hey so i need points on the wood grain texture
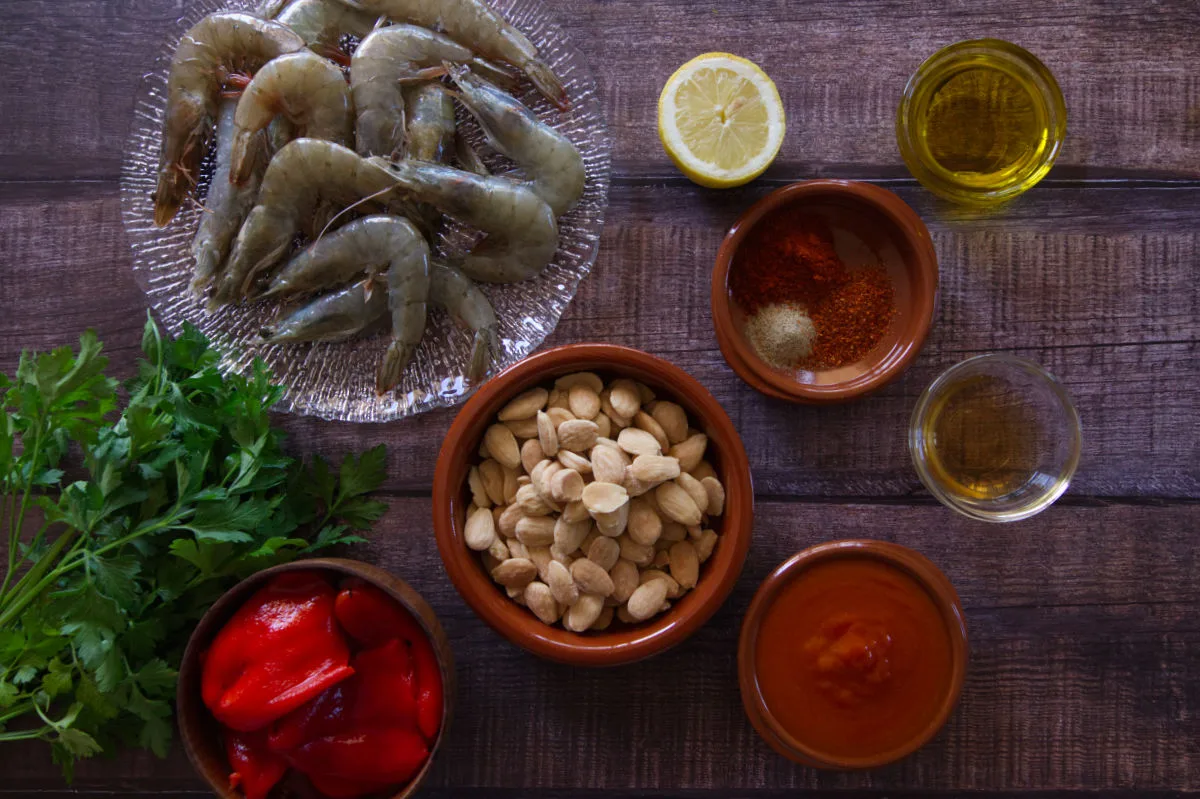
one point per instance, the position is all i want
(1126, 71)
(1084, 645)
(1097, 285)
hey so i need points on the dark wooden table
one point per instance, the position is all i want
(1085, 621)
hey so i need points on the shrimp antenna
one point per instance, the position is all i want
(350, 208)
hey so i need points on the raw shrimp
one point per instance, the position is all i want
(431, 123)
(474, 24)
(299, 177)
(449, 288)
(310, 92)
(468, 157)
(387, 60)
(226, 206)
(365, 245)
(408, 293)
(522, 234)
(323, 23)
(216, 47)
(554, 166)
(339, 316)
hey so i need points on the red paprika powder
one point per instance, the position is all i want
(789, 258)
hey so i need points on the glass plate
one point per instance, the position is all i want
(336, 381)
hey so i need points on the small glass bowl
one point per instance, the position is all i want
(1032, 398)
(1018, 64)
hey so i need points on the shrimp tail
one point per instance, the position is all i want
(392, 367)
(244, 157)
(483, 353)
(547, 83)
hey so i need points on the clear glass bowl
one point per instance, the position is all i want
(995, 438)
(1015, 66)
(336, 381)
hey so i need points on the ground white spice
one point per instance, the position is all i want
(782, 335)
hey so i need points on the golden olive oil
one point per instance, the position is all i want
(983, 439)
(981, 121)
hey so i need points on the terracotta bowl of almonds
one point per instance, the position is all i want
(593, 504)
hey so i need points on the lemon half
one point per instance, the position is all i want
(721, 120)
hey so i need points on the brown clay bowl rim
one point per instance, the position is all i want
(753, 370)
(608, 648)
(911, 562)
(196, 723)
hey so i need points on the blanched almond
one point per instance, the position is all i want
(655, 469)
(498, 551)
(645, 393)
(633, 486)
(536, 531)
(575, 511)
(479, 494)
(644, 421)
(531, 454)
(523, 428)
(637, 553)
(647, 599)
(583, 401)
(531, 502)
(502, 444)
(605, 618)
(492, 475)
(517, 550)
(690, 451)
(524, 405)
(696, 491)
(540, 600)
(586, 543)
(638, 442)
(560, 415)
(558, 399)
(510, 485)
(583, 613)
(673, 420)
(674, 590)
(716, 496)
(608, 464)
(674, 503)
(561, 583)
(623, 394)
(547, 436)
(618, 421)
(578, 435)
(614, 523)
(515, 573)
(604, 552)
(624, 574)
(590, 578)
(603, 425)
(569, 535)
(571, 460)
(589, 379)
(662, 556)
(623, 615)
(541, 476)
(702, 470)
(604, 497)
(566, 486)
(483, 450)
(685, 564)
(516, 594)
(507, 523)
(541, 558)
(673, 531)
(480, 530)
(644, 525)
(705, 545)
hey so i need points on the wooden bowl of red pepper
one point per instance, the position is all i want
(824, 291)
(322, 677)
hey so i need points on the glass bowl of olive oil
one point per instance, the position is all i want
(981, 122)
(995, 437)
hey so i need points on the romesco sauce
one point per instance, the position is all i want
(853, 658)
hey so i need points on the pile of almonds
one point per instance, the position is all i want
(593, 502)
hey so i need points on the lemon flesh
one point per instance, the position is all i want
(720, 120)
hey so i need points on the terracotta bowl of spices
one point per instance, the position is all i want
(824, 291)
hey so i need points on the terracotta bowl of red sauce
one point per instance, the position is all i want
(871, 229)
(620, 643)
(852, 655)
(201, 733)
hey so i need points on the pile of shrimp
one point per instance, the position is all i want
(359, 154)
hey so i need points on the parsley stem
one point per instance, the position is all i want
(14, 533)
(16, 710)
(25, 735)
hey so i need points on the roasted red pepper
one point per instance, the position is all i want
(380, 692)
(371, 617)
(373, 754)
(280, 649)
(256, 768)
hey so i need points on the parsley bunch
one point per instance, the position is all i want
(171, 501)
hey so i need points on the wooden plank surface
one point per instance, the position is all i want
(1083, 621)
